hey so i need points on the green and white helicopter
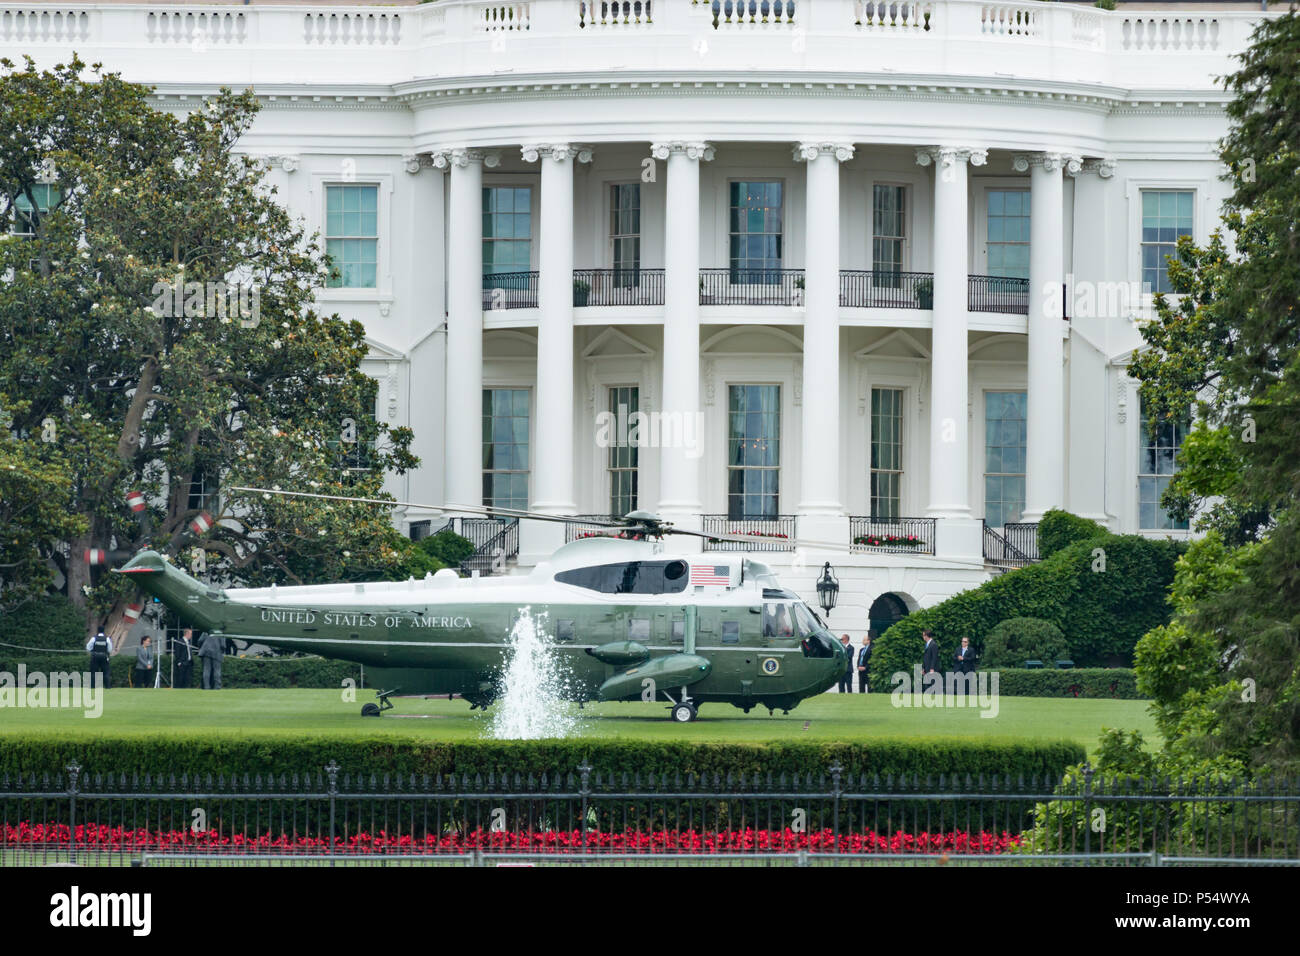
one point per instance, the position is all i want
(628, 620)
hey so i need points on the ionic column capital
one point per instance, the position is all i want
(1049, 162)
(946, 156)
(807, 152)
(1105, 167)
(698, 150)
(559, 152)
(462, 156)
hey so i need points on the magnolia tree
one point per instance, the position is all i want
(159, 344)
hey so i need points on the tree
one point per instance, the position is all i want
(160, 315)
(1241, 315)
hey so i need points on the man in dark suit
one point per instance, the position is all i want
(930, 656)
(930, 665)
(864, 666)
(183, 648)
(965, 657)
(846, 679)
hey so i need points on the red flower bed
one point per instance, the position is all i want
(121, 839)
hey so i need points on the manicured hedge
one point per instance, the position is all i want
(1102, 613)
(380, 756)
(1108, 682)
(48, 622)
(1060, 529)
(235, 671)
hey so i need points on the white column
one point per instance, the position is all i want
(949, 415)
(425, 261)
(679, 475)
(552, 467)
(463, 458)
(819, 472)
(1045, 426)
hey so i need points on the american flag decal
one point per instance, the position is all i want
(710, 574)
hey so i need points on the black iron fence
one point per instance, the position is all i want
(883, 289)
(509, 290)
(82, 816)
(768, 534)
(892, 535)
(998, 294)
(752, 287)
(618, 287)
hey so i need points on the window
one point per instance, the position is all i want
(507, 229)
(505, 447)
(353, 451)
(888, 233)
(1008, 233)
(730, 632)
(753, 451)
(47, 197)
(678, 635)
(564, 631)
(623, 451)
(629, 577)
(625, 232)
(886, 452)
(1004, 457)
(778, 621)
(352, 235)
(203, 488)
(638, 629)
(756, 247)
(1166, 215)
(1157, 461)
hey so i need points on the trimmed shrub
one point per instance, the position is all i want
(448, 547)
(275, 754)
(1020, 639)
(49, 622)
(246, 672)
(1059, 529)
(1101, 613)
(1106, 682)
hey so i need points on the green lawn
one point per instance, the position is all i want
(271, 713)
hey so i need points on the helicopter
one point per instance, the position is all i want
(628, 620)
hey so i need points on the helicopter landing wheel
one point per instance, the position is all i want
(683, 713)
(369, 710)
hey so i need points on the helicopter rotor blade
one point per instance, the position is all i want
(470, 509)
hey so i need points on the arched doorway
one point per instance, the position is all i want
(886, 611)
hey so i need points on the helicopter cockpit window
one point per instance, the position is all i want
(629, 577)
(807, 620)
(817, 641)
(777, 620)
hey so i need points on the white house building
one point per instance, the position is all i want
(861, 269)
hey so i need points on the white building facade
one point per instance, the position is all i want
(849, 271)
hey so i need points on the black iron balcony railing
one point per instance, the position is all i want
(618, 287)
(998, 294)
(589, 526)
(1023, 536)
(892, 535)
(885, 289)
(751, 287)
(509, 290)
(998, 550)
(769, 534)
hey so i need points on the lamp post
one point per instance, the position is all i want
(828, 589)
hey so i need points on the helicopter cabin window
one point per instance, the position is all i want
(563, 631)
(679, 632)
(730, 632)
(629, 577)
(777, 621)
(638, 629)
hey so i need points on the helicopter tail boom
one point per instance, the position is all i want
(197, 604)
